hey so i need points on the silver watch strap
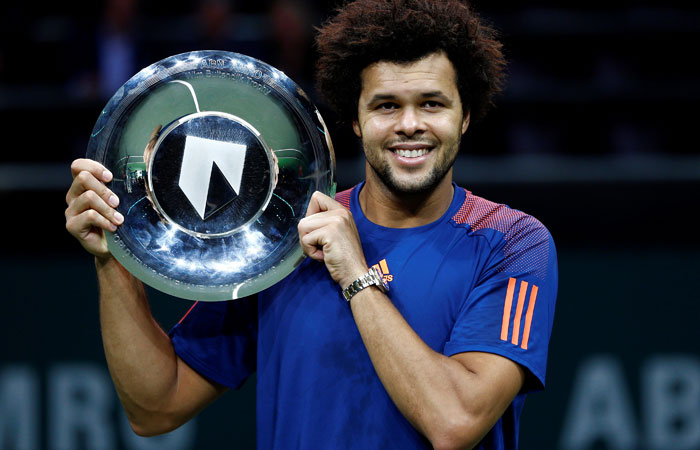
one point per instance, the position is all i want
(371, 278)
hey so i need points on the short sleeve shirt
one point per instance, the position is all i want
(482, 278)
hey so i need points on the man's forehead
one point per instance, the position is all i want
(434, 68)
(437, 54)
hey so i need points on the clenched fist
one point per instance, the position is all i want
(328, 233)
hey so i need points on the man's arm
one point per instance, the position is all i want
(453, 401)
(158, 390)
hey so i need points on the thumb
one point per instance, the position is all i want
(321, 202)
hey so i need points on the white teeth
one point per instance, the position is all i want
(411, 153)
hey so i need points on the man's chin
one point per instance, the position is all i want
(413, 187)
(410, 185)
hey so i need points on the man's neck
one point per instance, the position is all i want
(389, 209)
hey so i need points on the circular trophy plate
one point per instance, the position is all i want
(215, 156)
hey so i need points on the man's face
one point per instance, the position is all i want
(410, 120)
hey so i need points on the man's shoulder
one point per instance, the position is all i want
(521, 241)
(343, 197)
(479, 214)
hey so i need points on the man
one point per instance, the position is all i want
(446, 356)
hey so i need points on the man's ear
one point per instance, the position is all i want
(465, 121)
(356, 128)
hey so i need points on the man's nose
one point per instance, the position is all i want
(409, 122)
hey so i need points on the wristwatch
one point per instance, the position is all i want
(371, 278)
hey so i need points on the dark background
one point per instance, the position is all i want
(594, 135)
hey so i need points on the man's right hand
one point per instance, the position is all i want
(91, 206)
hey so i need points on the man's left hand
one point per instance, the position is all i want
(328, 233)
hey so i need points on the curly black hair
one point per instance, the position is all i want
(403, 31)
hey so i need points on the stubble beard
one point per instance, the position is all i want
(383, 171)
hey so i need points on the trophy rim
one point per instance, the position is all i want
(305, 118)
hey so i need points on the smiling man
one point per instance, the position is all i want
(414, 112)
(423, 314)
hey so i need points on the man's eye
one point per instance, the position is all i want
(432, 104)
(387, 106)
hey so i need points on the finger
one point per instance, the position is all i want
(86, 181)
(312, 244)
(90, 236)
(88, 165)
(315, 221)
(89, 200)
(84, 225)
(321, 202)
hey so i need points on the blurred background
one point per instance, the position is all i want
(595, 135)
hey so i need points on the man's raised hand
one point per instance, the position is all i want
(328, 233)
(91, 206)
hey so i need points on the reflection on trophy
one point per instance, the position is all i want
(215, 156)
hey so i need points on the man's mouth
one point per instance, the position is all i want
(411, 149)
(411, 153)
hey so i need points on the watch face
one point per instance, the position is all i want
(215, 156)
(378, 279)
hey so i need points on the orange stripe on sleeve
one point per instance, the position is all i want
(519, 312)
(385, 268)
(528, 316)
(506, 309)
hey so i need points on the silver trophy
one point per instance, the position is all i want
(215, 156)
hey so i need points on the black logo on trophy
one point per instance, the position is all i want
(216, 164)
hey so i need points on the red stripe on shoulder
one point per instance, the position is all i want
(526, 246)
(344, 197)
(480, 213)
(188, 311)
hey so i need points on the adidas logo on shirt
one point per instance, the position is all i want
(383, 268)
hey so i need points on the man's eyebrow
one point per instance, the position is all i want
(380, 98)
(430, 94)
(436, 94)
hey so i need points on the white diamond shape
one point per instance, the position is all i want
(197, 162)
